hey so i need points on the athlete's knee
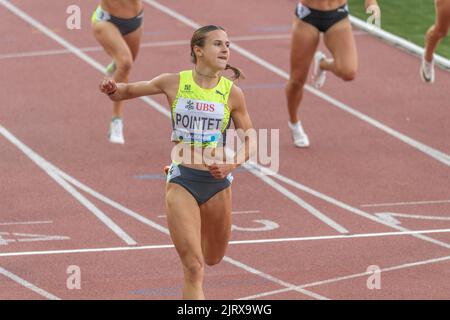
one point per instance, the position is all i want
(194, 267)
(437, 32)
(211, 261)
(349, 76)
(296, 83)
(440, 32)
(124, 64)
(346, 74)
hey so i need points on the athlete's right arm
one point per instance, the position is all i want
(123, 91)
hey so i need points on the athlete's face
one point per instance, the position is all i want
(216, 51)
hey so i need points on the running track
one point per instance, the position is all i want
(69, 198)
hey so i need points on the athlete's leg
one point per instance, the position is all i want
(216, 226)
(439, 30)
(133, 41)
(305, 39)
(114, 44)
(183, 216)
(340, 41)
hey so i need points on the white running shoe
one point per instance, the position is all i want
(427, 71)
(116, 131)
(319, 75)
(298, 135)
(110, 69)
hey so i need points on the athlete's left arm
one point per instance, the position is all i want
(245, 130)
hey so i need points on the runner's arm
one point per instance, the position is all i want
(124, 91)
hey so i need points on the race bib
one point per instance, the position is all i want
(197, 121)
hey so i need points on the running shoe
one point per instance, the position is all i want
(319, 75)
(116, 131)
(427, 71)
(298, 135)
(110, 69)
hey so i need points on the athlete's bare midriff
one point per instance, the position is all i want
(122, 8)
(323, 5)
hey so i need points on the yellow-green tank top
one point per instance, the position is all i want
(200, 117)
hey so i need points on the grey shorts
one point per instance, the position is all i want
(125, 26)
(322, 20)
(199, 183)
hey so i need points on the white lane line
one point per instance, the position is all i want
(173, 13)
(266, 276)
(404, 203)
(24, 223)
(415, 216)
(342, 205)
(433, 153)
(112, 203)
(43, 164)
(91, 207)
(436, 154)
(235, 242)
(352, 276)
(29, 237)
(39, 53)
(90, 250)
(246, 212)
(153, 44)
(340, 237)
(27, 284)
(296, 199)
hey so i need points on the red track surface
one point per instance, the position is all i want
(51, 104)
